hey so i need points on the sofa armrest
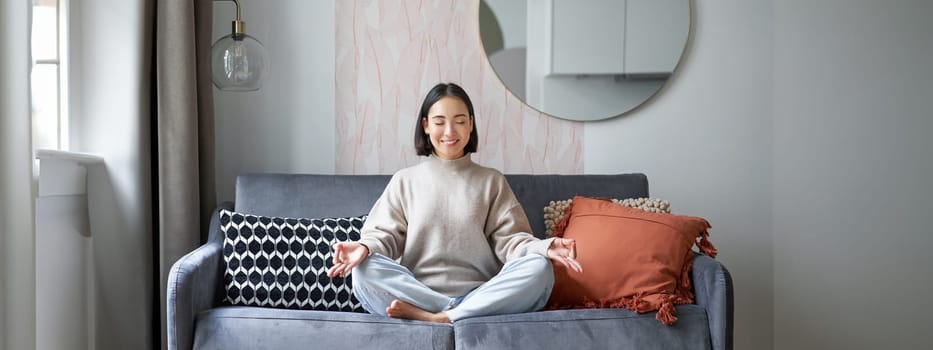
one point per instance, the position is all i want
(712, 286)
(192, 287)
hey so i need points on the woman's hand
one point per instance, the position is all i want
(346, 256)
(564, 251)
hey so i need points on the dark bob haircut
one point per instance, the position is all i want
(423, 145)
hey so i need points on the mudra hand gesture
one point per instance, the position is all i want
(564, 251)
(346, 256)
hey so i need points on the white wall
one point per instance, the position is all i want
(288, 126)
(110, 117)
(705, 144)
(853, 107)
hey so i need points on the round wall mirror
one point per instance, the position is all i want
(584, 59)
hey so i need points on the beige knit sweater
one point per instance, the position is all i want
(453, 223)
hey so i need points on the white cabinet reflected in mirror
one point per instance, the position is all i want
(584, 59)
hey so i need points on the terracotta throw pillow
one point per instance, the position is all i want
(633, 259)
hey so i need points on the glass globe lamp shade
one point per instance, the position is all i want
(238, 63)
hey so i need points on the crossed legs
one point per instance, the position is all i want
(386, 288)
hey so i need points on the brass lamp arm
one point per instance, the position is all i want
(239, 27)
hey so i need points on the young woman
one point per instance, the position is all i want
(448, 239)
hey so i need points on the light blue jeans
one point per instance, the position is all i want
(523, 285)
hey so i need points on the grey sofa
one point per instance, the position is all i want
(197, 318)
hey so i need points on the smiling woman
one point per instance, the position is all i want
(448, 126)
(445, 124)
(584, 59)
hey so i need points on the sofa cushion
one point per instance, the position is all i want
(244, 327)
(631, 258)
(283, 262)
(308, 195)
(554, 211)
(584, 329)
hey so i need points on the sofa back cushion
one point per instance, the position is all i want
(310, 196)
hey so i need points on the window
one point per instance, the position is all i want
(49, 117)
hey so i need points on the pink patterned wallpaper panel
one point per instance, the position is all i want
(391, 52)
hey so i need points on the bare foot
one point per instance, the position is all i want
(403, 310)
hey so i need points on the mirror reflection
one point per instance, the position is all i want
(584, 59)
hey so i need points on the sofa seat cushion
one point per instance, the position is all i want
(584, 329)
(246, 327)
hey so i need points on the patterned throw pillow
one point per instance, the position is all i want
(554, 211)
(283, 262)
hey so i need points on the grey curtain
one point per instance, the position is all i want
(17, 301)
(183, 171)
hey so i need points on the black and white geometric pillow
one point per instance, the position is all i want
(283, 262)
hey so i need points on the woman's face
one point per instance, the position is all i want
(448, 125)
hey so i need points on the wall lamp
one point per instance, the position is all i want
(239, 62)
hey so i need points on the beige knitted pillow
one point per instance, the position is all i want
(554, 211)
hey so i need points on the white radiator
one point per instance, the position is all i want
(65, 294)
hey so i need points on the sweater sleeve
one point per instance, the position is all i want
(385, 228)
(508, 229)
